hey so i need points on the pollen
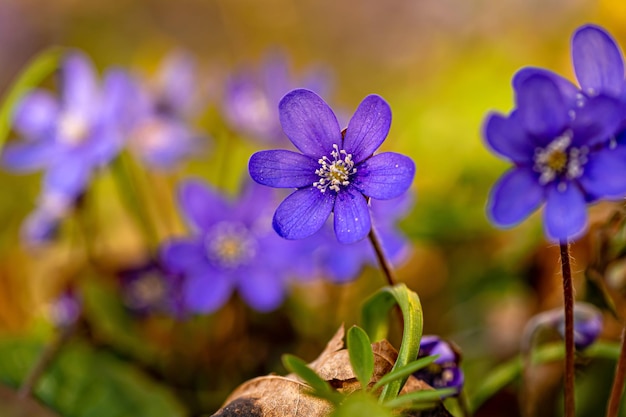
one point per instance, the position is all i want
(230, 245)
(560, 160)
(334, 173)
(73, 129)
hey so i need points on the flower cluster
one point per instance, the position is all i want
(566, 142)
(68, 137)
(74, 134)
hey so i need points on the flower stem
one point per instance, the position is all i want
(618, 382)
(385, 265)
(47, 356)
(568, 304)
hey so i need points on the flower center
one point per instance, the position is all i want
(230, 245)
(72, 129)
(336, 172)
(558, 159)
(148, 290)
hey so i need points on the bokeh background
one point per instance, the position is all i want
(441, 65)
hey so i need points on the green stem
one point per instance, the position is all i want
(568, 305)
(618, 382)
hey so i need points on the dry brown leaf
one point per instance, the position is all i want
(277, 396)
(273, 396)
(11, 405)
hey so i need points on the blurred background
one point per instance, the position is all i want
(442, 65)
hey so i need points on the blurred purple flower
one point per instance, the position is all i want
(155, 116)
(250, 103)
(343, 262)
(445, 372)
(68, 136)
(587, 324)
(41, 225)
(149, 288)
(561, 155)
(232, 248)
(66, 308)
(335, 172)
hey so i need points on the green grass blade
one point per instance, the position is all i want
(38, 69)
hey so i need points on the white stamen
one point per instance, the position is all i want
(559, 160)
(230, 245)
(336, 172)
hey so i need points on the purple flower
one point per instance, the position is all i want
(155, 117)
(445, 372)
(587, 325)
(335, 172)
(342, 263)
(68, 136)
(149, 288)
(561, 155)
(66, 308)
(250, 103)
(232, 248)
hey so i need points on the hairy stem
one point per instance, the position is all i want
(618, 382)
(384, 263)
(568, 304)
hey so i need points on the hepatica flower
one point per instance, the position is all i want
(336, 171)
(155, 117)
(68, 136)
(231, 248)
(251, 97)
(562, 154)
(445, 372)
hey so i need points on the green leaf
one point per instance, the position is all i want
(320, 387)
(361, 355)
(375, 312)
(405, 371)
(361, 403)
(40, 67)
(510, 371)
(83, 382)
(430, 397)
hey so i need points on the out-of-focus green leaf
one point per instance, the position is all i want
(111, 321)
(510, 371)
(405, 371)
(361, 404)
(429, 397)
(40, 67)
(84, 382)
(361, 355)
(375, 312)
(320, 387)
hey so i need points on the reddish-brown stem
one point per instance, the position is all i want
(568, 304)
(49, 353)
(385, 265)
(618, 381)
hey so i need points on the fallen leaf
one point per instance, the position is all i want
(288, 396)
(14, 406)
